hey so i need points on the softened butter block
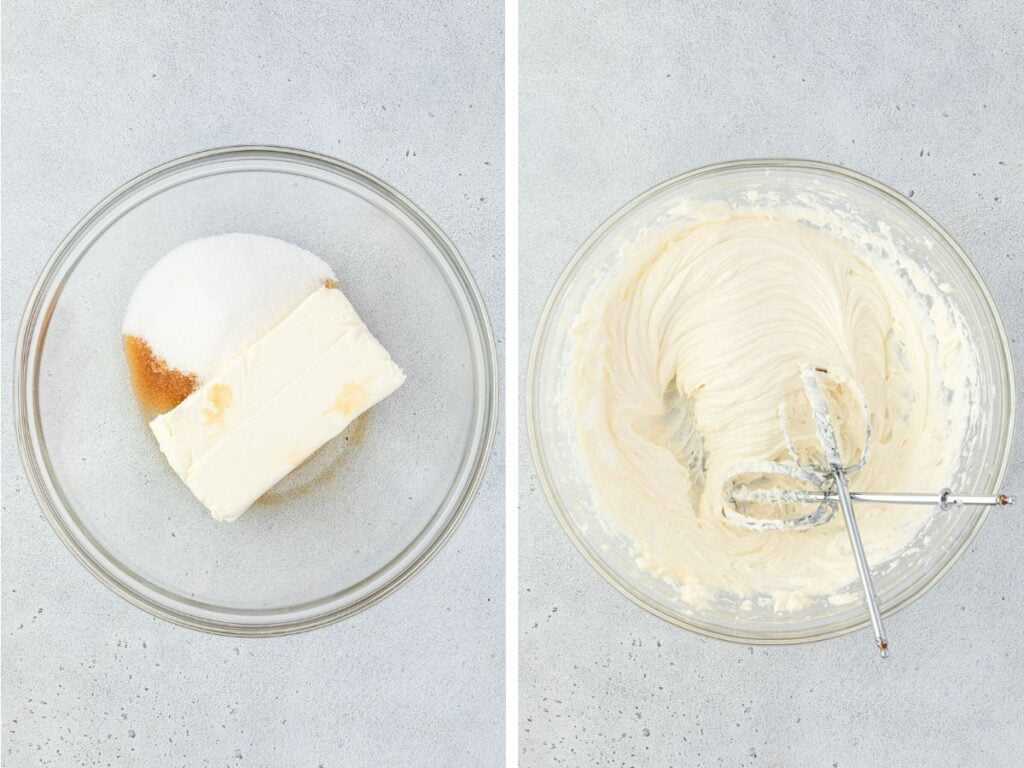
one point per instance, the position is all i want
(289, 393)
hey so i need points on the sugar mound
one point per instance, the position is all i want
(209, 299)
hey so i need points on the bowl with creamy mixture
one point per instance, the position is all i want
(678, 330)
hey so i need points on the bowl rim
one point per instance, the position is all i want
(35, 320)
(544, 326)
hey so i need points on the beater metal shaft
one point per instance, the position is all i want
(846, 503)
(946, 499)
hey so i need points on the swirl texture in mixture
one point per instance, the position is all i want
(682, 358)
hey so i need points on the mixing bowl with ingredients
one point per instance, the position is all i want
(364, 512)
(674, 341)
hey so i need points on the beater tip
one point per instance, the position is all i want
(883, 647)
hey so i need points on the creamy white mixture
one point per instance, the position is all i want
(682, 357)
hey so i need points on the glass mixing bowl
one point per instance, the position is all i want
(862, 203)
(362, 514)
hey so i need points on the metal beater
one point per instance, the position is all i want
(829, 476)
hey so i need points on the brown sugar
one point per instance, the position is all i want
(157, 385)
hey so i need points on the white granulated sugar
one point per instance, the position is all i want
(208, 300)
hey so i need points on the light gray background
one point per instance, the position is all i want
(617, 96)
(95, 93)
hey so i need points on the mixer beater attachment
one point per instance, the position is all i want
(823, 481)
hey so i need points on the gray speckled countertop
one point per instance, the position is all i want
(618, 96)
(95, 93)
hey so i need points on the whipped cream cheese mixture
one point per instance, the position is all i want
(682, 356)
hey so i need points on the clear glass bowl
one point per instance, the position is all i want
(352, 523)
(864, 203)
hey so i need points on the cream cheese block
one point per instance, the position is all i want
(270, 408)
